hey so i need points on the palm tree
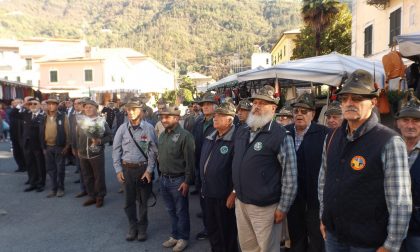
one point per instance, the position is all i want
(318, 15)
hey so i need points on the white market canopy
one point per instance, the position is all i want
(231, 79)
(326, 69)
(409, 44)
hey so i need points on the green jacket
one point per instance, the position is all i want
(176, 153)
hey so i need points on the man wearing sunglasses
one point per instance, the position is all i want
(309, 137)
(32, 145)
(364, 181)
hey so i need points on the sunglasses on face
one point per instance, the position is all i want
(353, 97)
(300, 110)
(32, 103)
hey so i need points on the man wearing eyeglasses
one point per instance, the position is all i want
(303, 219)
(364, 181)
(32, 145)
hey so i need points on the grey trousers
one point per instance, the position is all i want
(54, 162)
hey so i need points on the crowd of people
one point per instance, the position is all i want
(262, 177)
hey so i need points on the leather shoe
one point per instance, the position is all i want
(31, 188)
(89, 202)
(131, 235)
(40, 189)
(20, 170)
(99, 202)
(81, 194)
(27, 182)
(51, 194)
(77, 181)
(202, 236)
(142, 236)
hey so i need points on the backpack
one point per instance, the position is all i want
(393, 65)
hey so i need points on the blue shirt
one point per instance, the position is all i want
(125, 149)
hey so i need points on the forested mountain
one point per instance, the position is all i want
(203, 35)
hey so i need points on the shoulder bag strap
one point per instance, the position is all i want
(135, 142)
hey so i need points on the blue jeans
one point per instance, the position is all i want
(177, 207)
(411, 243)
(333, 245)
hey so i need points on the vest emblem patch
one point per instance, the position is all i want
(258, 146)
(357, 163)
(224, 149)
(175, 138)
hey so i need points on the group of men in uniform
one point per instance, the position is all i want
(45, 136)
(351, 186)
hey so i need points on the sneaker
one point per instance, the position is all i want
(170, 243)
(60, 193)
(202, 236)
(180, 245)
(51, 194)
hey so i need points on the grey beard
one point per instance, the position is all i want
(256, 121)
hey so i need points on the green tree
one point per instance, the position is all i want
(187, 83)
(318, 15)
(337, 37)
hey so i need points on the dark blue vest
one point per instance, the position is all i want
(414, 227)
(309, 158)
(355, 209)
(217, 179)
(256, 171)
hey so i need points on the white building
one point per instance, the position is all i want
(260, 59)
(18, 58)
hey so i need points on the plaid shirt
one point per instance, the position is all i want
(397, 184)
(299, 137)
(287, 159)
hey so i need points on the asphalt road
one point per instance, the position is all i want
(31, 222)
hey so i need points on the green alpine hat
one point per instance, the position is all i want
(245, 104)
(285, 111)
(134, 103)
(226, 108)
(266, 93)
(171, 109)
(410, 109)
(333, 109)
(306, 100)
(360, 82)
(208, 97)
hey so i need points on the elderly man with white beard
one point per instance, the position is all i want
(264, 175)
